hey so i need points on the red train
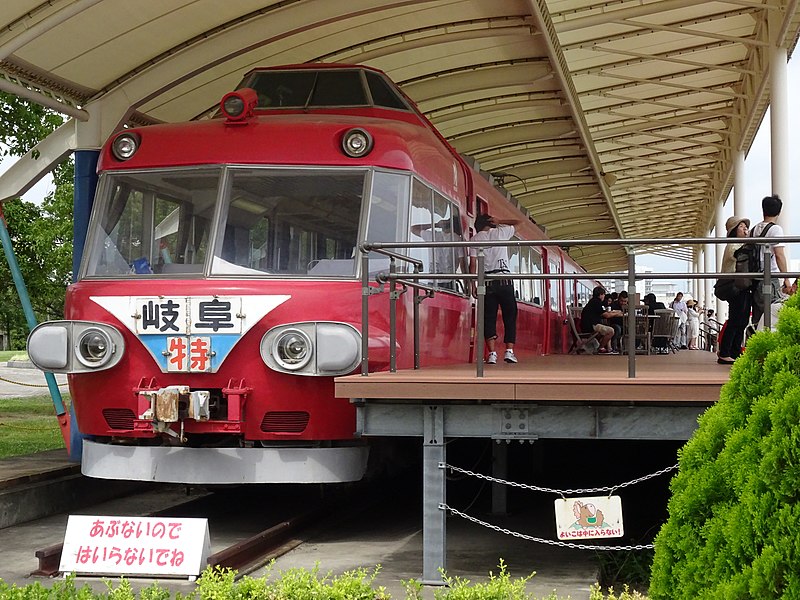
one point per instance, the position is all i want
(219, 292)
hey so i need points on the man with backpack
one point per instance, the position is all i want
(770, 208)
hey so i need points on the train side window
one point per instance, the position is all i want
(444, 259)
(537, 285)
(421, 229)
(482, 206)
(388, 209)
(523, 287)
(514, 267)
(555, 286)
(382, 92)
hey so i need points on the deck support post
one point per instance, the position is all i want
(499, 471)
(434, 534)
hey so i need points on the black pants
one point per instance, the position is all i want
(738, 317)
(757, 299)
(500, 296)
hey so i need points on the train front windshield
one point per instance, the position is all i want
(235, 221)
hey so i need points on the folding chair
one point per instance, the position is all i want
(664, 330)
(581, 342)
(641, 332)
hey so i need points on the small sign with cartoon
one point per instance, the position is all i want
(591, 517)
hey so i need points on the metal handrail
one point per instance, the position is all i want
(412, 280)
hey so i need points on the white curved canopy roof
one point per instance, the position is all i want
(604, 119)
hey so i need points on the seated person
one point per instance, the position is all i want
(619, 303)
(652, 304)
(592, 319)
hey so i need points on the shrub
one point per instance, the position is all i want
(499, 587)
(734, 511)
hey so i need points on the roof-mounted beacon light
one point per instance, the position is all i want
(357, 142)
(125, 145)
(239, 105)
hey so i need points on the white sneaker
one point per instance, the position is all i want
(492, 358)
(509, 357)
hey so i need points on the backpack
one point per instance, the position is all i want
(725, 289)
(748, 260)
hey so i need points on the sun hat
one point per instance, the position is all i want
(733, 222)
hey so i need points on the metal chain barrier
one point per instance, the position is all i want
(531, 538)
(562, 493)
(36, 385)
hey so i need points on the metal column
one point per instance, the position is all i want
(82, 201)
(500, 471)
(434, 534)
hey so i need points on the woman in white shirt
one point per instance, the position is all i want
(692, 325)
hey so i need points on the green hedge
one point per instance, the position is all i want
(733, 529)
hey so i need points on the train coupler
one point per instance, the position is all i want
(174, 403)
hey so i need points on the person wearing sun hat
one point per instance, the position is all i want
(692, 325)
(730, 346)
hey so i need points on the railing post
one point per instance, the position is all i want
(479, 330)
(766, 291)
(416, 328)
(364, 313)
(392, 316)
(631, 341)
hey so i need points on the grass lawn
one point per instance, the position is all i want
(28, 425)
(6, 355)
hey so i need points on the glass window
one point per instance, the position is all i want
(514, 267)
(382, 92)
(299, 89)
(290, 222)
(523, 288)
(421, 224)
(537, 285)
(338, 88)
(555, 287)
(282, 89)
(152, 223)
(387, 215)
(443, 258)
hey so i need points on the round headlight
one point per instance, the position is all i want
(125, 145)
(292, 349)
(94, 348)
(233, 105)
(357, 143)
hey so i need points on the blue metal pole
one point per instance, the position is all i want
(83, 198)
(85, 185)
(22, 291)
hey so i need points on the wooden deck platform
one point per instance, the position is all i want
(688, 377)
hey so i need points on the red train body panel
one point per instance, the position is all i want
(220, 287)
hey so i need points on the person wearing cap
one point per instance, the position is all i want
(730, 346)
(499, 292)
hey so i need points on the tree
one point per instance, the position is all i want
(734, 513)
(41, 234)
